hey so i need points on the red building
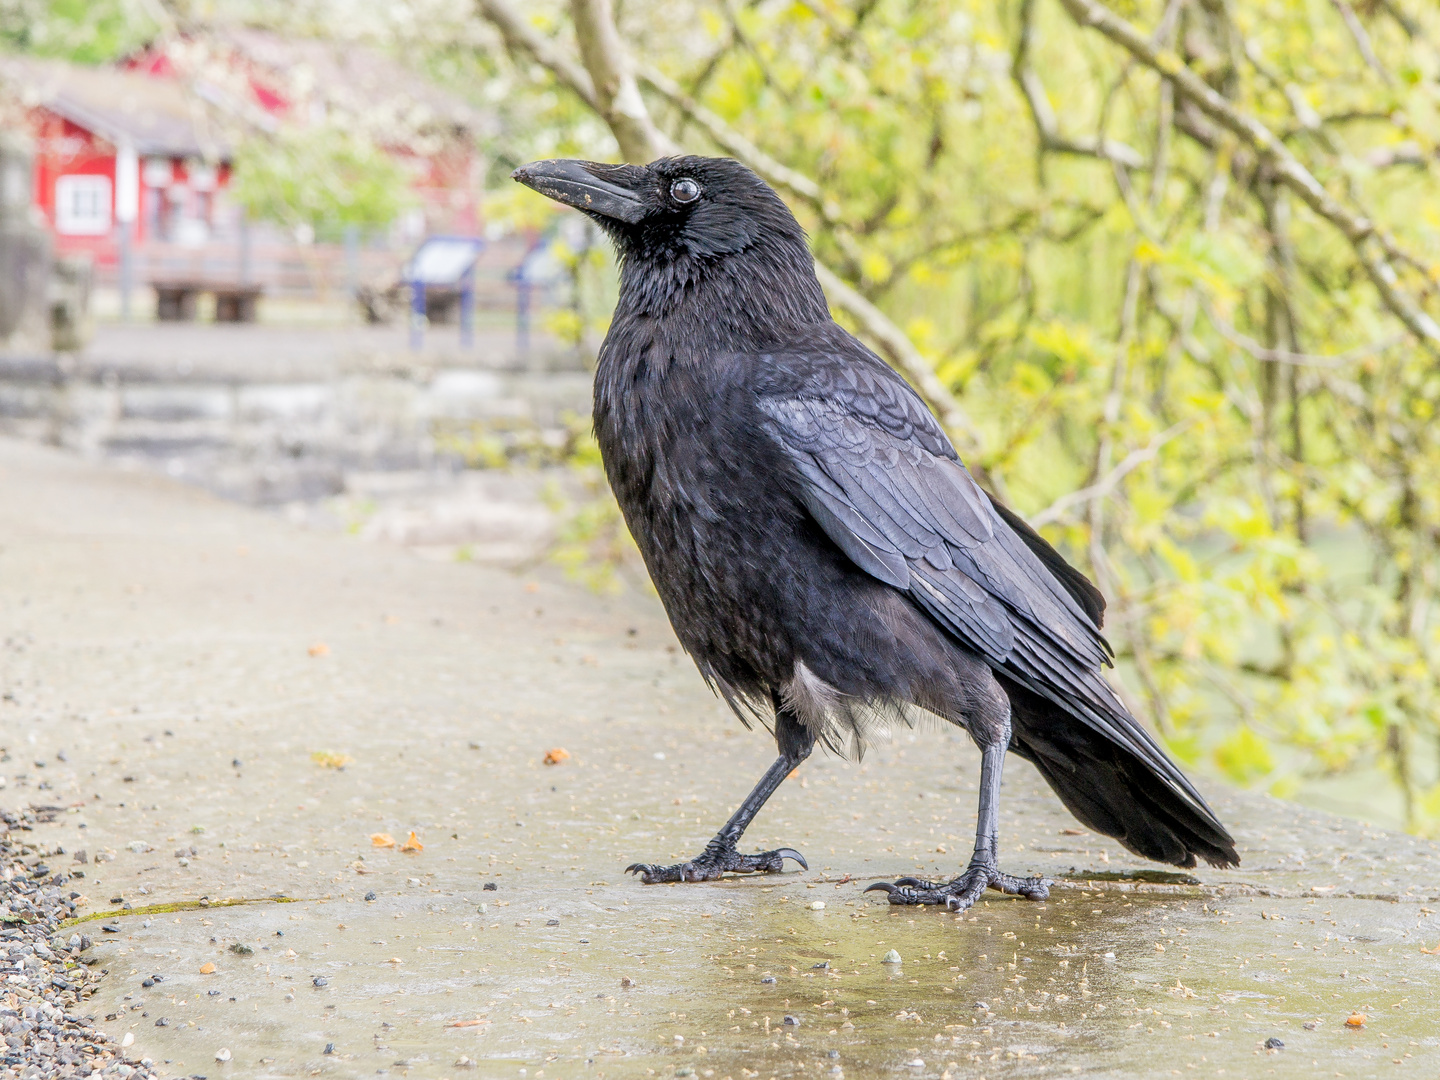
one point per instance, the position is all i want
(149, 144)
(115, 147)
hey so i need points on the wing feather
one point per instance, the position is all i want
(879, 477)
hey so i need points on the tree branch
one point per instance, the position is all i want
(1362, 39)
(522, 38)
(1110, 481)
(1357, 228)
(1047, 128)
(617, 96)
(1287, 356)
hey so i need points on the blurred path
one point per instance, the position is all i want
(185, 676)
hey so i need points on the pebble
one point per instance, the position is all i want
(222, 1054)
(791, 1021)
(241, 949)
(490, 886)
(58, 996)
(817, 905)
(319, 982)
(1273, 1043)
(891, 957)
(768, 979)
(370, 895)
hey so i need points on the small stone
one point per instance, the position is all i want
(1311, 1025)
(162, 1022)
(891, 957)
(768, 979)
(329, 1048)
(147, 983)
(917, 1063)
(627, 982)
(685, 1070)
(241, 949)
(463, 1062)
(817, 905)
(222, 1054)
(833, 1054)
(207, 968)
(824, 965)
(1273, 1043)
(128, 1039)
(1356, 1020)
(370, 895)
(552, 922)
(791, 1021)
(319, 982)
(490, 886)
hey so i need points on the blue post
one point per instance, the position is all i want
(417, 314)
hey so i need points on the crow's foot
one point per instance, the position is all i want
(714, 861)
(961, 893)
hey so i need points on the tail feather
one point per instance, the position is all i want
(1111, 791)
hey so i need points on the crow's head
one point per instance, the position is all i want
(672, 209)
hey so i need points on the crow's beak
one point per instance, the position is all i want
(603, 190)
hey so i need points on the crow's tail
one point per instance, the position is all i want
(1112, 791)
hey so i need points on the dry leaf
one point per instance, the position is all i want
(1356, 1020)
(466, 1023)
(326, 760)
(412, 843)
(382, 839)
(320, 649)
(207, 968)
(557, 755)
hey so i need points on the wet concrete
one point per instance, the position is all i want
(203, 669)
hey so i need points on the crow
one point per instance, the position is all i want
(822, 553)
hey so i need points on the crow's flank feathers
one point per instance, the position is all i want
(822, 552)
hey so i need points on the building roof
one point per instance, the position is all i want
(155, 116)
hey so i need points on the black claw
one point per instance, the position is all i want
(882, 886)
(791, 853)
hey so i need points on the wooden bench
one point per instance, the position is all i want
(175, 301)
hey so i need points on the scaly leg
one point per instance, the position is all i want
(721, 853)
(984, 869)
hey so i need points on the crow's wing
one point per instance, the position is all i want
(879, 476)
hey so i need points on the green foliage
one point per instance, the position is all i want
(324, 178)
(85, 31)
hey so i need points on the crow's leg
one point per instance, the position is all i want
(984, 869)
(721, 854)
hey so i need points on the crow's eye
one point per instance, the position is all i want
(685, 190)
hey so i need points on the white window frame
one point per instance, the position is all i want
(83, 205)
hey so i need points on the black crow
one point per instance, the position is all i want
(822, 553)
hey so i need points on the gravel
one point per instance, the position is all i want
(44, 980)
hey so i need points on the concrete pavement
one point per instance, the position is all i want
(231, 708)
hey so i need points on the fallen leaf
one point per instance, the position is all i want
(557, 755)
(1356, 1020)
(320, 649)
(394, 960)
(207, 968)
(325, 759)
(1431, 952)
(382, 839)
(412, 843)
(466, 1023)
